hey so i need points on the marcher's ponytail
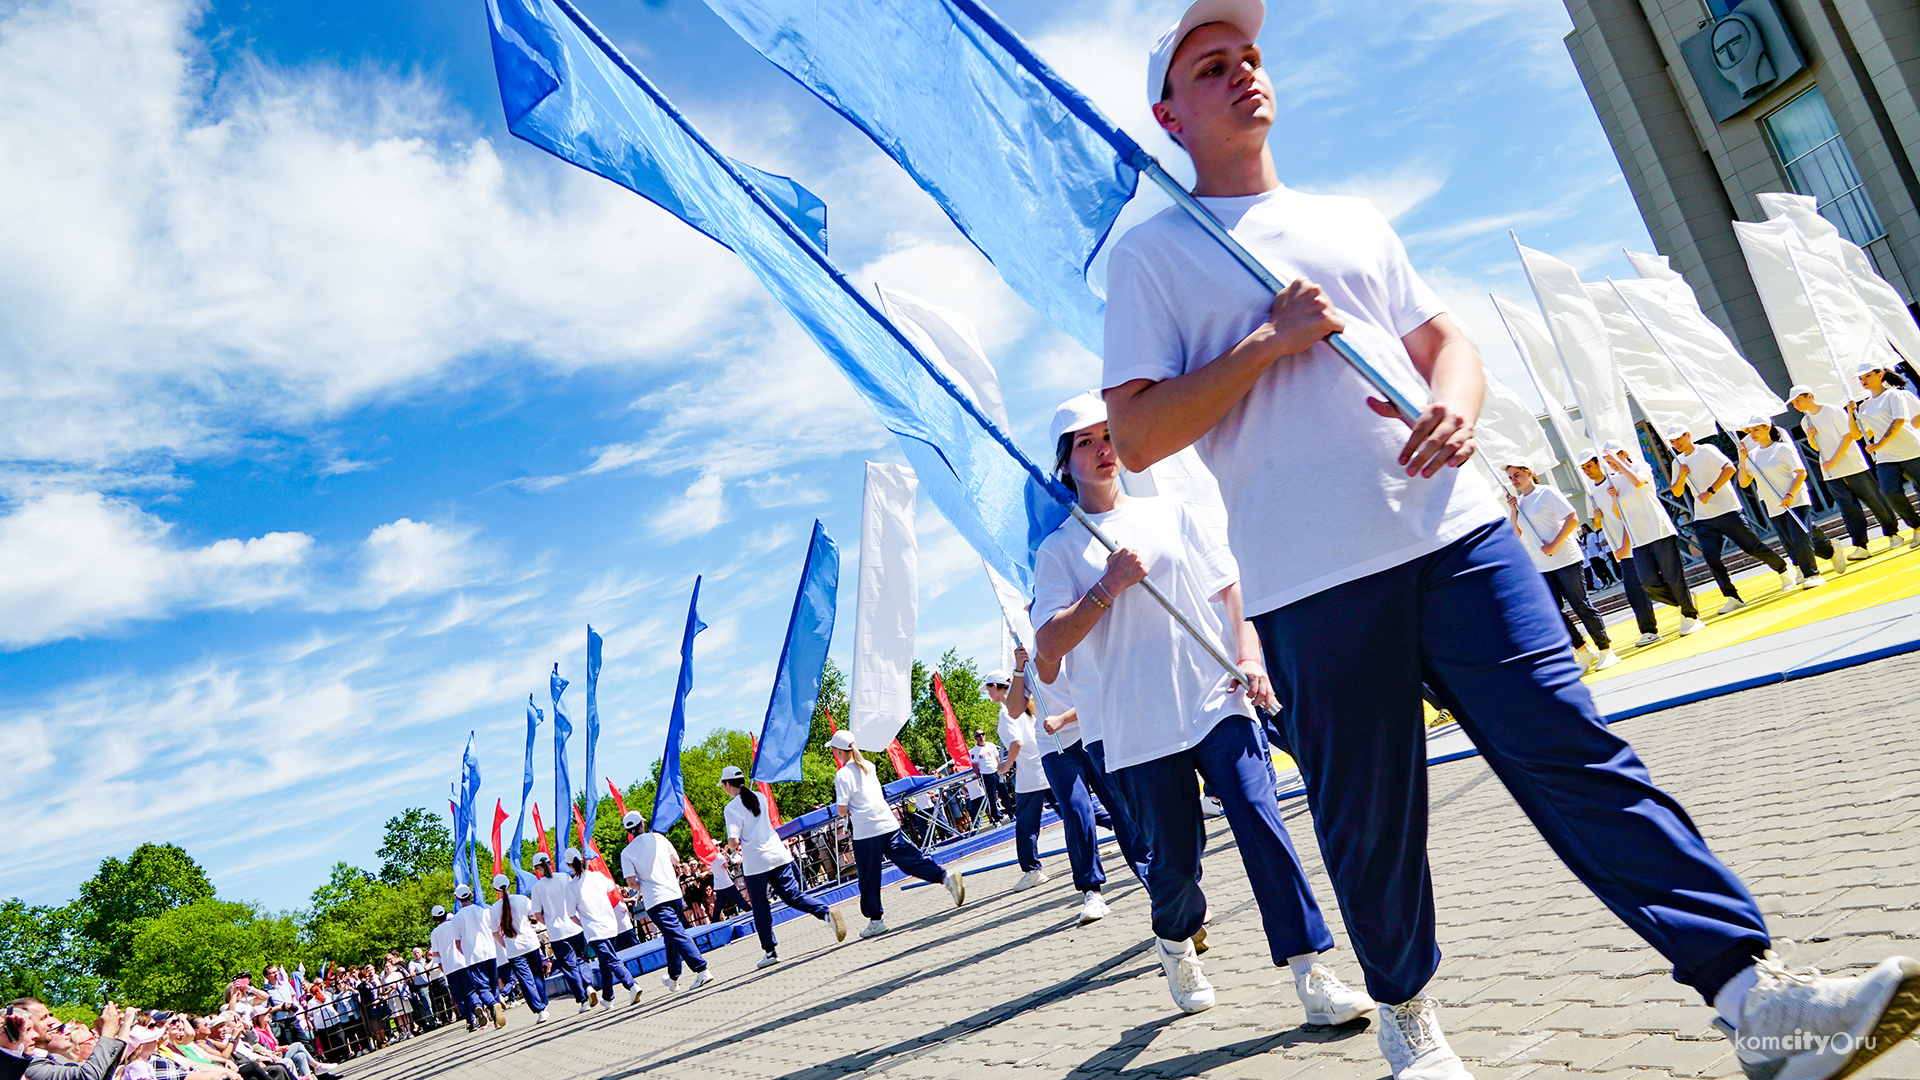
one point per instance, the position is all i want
(750, 800)
(1893, 378)
(1061, 454)
(507, 926)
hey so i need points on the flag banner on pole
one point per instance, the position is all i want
(1582, 346)
(469, 793)
(902, 764)
(523, 881)
(1508, 433)
(619, 800)
(1895, 318)
(949, 339)
(796, 680)
(1823, 328)
(499, 819)
(1658, 386)
(459, 834)
(1537, 355)
(590, 849)
(771, 808)
(670, 794)
(593, 726)
(886, 609)
(1706, 358)
(567, 90)
(540, 831)
(956, 743)
(562, 781)
(704, 849)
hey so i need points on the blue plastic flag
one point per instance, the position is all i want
(462, 874)
(567, 90)
(1021, 161)
(562, 782)
(523, 881)
(469, 795)
(592, 794)
(670, 794)
(796, 682)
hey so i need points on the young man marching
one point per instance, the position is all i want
(1426, 580)
(1545, 522)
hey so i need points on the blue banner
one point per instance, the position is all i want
(469, 796)
(592, 793)
(562, 783)
(796, 682)
(523, 881)
(567, 90)
(670, 794)
(461, 875)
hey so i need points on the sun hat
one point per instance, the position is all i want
(1243, 15)
(1079, 411)
(733, 773)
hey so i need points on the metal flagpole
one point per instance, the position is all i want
(1212, 647)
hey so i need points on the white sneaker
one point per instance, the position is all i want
(1093, 908)
(1800, 1026)
(1790, 580)
(700, 979)
(636, 997)
(540, 1017)
(1031, 878)
(1605, 659)
(666, 980)
(1185, 978)
(1584, 656)
(593, 997)
(768, 961)
(1732, 605)
(1857, 553)
(1813, 581)
(1330, 1001)
(874, 928)
(1839, 559)
(584, 1006)
(956, 887)
(606, 1003)
(1415, 1049)
(1648, 639)
(1691, 626)
(839, 926)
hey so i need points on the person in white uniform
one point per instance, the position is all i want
(1834, 434)
(1603, 492)
(767, 865)
(876, 834)
(1650, 530)
(1773, 467)
(1071, 779)
(553, 905)
(1886, 422)
(1546, 522)
(648, 865)
(593, 906)
(986, 764)
(727, 899)
(475, 928)
(519, 943)
(1019, 733)
(443, 942)
(1716, 511)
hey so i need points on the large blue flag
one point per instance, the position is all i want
(562, 782)
(796, 682)
(592, 794)
(456, 797)
(469, 796)
(670, 794)
(523, 881)
(567, 90)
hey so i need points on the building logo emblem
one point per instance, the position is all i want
(1737, 59)
(1740, 53)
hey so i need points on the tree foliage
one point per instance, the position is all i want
(416, 843)
(372, 917)
(43, 955)
(182, 958)
(155, 879)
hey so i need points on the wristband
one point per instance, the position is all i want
(1104, 589)
(1101, 604)
(1251, 660)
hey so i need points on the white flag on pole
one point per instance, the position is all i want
(1823, 328)
(1580, 338)
(1888, 309)
(949, 340)
(1537, 355)
(1712, 368)
(1508, 434)
(1658, 385)
(886, 612)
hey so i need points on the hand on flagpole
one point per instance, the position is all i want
(1259, 687)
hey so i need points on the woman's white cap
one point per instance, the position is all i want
(439, 912)
(1080, 411)
(842, 740)
(1798, 389)
(1584, 456)
(574, 856)
(1243, 15)
(997, 677)
(540, 859)
(461, 892)
(1756, 420)
(499, 881)
(1866, 366)
(733, 773)
(1673, 433)
(1612, 446)
(633, 819)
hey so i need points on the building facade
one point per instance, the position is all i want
(1710, 102)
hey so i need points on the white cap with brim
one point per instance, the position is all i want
(1584, 456)
(1673, 433)
(1866, 366)
(1517, 464)
(842, 740)
(1079, 411)
(633, 819)
(138, 1037)
(1612, 446)
(733, 773)
(997, 677)
(1247, 16)
(439, 912)
(461, 892)
(540, 859)
(1798, 389)
(499, 881)
(574, 856)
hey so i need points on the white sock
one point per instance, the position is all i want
(1732, 997)
(1174, 948)
(1302, 964)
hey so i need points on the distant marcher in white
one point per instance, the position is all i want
(648, 865)
(1716, 511)
(1549, 524)
(1021, 770)
(1773, 467)
(1834, 434)
(877, 835)
(519, 942)
(767, 865)
(553, 903)
(986, 763)
(444, 941)
(1886, 421)
(474, 923)
(593, 905)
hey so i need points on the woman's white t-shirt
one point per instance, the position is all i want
(1311, 477)
(592, 907)
(1704, 466)
(1647, 519)
(1155, 690)
(1776, 465)
(1878, 413)
(1828, 427)
(526, 939)
(1023, 729)
(860, 792)
(761, 849)
(722, 877)
(1542, 511)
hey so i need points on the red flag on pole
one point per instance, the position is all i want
(594, 861)
(704, 848)
(499, 817)
(766, 790)
(902, 764)
(540, 831)
(618, 799)
(956, 745)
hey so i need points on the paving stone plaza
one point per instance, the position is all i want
(1809, 789)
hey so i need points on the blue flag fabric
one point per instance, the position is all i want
(567, 90)
(462, 875)
(592, 794)
(523, 881)
(1021, 161)
(670, 794)
(469, 795)
(796, 682)
(562, 782)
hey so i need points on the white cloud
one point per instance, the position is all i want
(1395, 192)
(696, 512)
(417, 558)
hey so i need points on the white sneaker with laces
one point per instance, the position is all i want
(1648, 639)
(1606, 659)
(1839, 559)
(540, 1017)
(1857, 553)
(768, 961)
(1790, 580)
(700, 979)
(1584, 656)
(956, 887)
(636, 997)
(666, 980)
(1328, 1000)
(1412, 1043)
(584, 1006)
(1802, 1026)
(1185, 977)
(1093, 908)
(874, 928)
(1691, 626)
(1813, 581)
(1732, 605)
(1031, 878)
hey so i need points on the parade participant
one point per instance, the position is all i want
(986, 764)
(647, 864)
(1781, 474)
(444, 943)
(876, 834)
(1019, 735)
(1886, 421)
(1600, 492)
(1070, 777)
(519, 946)
(1598, 553)
(553, 905)
(593, 905)
(1422, 580)
(727, 900)
(1091, 752)
(473, 922)
(1651, 532)
(767, 865)
(1834, 434)
(1716, 511)
(1548, 531)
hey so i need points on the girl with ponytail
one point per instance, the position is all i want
(767, 864)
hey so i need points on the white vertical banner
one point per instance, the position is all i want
(1581, 341)
(886, 610)
(1654, 381)
(1537, 355)
(1823, 329)
(1016, 626)
(1722, 379)
(1508, 434)
(1888, 309)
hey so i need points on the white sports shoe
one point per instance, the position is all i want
(1185, 978)
(1093, 908)
(1648, 639)
(1800, 1026)
(956, 887)
(1856, 553)
(1330, 1001)
(1839, 559)
(839, 926)
(1691, 626)
(1606, 659)
(666, 980)
(700, 979)
(606, 1003)
(636, 997)
(768, 961)
(1813, 581)
(1584, 656)
(1790, 580)
(593, 996)
(540, 1017)
(1031, 878)
(584, 1006)
(874, 928)
(1412, 1043)
(1732, 605)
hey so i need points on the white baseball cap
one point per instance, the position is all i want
(1244, 15)
(499, 881)
(439, 912)
(1584, 456)
(540, 859)
(1756, 420)
(842, 740)
(1080, 411)
(1866, 366)
(1673, 433)
(574, 856)
(461, 892)
(733, 773)
(997, 677)
(633, 819)
(1612, 446)
(1798, 389)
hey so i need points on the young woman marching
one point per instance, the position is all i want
(1716, 511)
(1886, 419)
(1834, 434)
(876, 833)
(766, 864)
(553, 903)
(1774, 468)
(647, 865)
(1019, 733)
(519, 943)
(1167, 709)
(593, 906)
(1549, 523)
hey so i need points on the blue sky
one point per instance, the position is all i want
(330, 414)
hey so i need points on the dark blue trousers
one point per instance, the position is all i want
(480, 995)
(1166, 796)
(1861, 490)
(671, 918)
(611, 967)
(1072, 787)
(1893, 477)
(895, 846)
(532, 987)
(1133, 845)
(569, 955)
(1028, 806)
(785, 882)
(460, 987)
(1474, 620)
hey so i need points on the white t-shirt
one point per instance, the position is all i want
(1542, 511)
(649, 858)
(722, 877)
(591, 906)
(1155, 690)
(1027, 773)
(1828, 427)
(1704, 466)
(761, 850)
(1878, 413)
(1646, 519)
(985, 758)
(525, 939)
(474, 924)
(1315, 495)
(1776, 465)
(444, 939)
(860, 792)
(553, 900)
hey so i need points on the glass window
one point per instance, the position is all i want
(1818, 164)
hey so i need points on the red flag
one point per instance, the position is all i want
(540, 831)
(499, 817)
(594, 861)
(956, 746)
(902, 764)
(618, 800)
(704, 848)
(766, 790)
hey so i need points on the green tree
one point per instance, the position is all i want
(43, 955)
(154, 880)
(416, 842)
(374, 918)
(183, 957)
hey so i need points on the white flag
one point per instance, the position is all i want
(1580, 337)
(949, 340)
(1823, 328)
(886, 612)
(1655, 382)
(1713, 369)
(1891, 312)
(1508, 434)
(1537, 355)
